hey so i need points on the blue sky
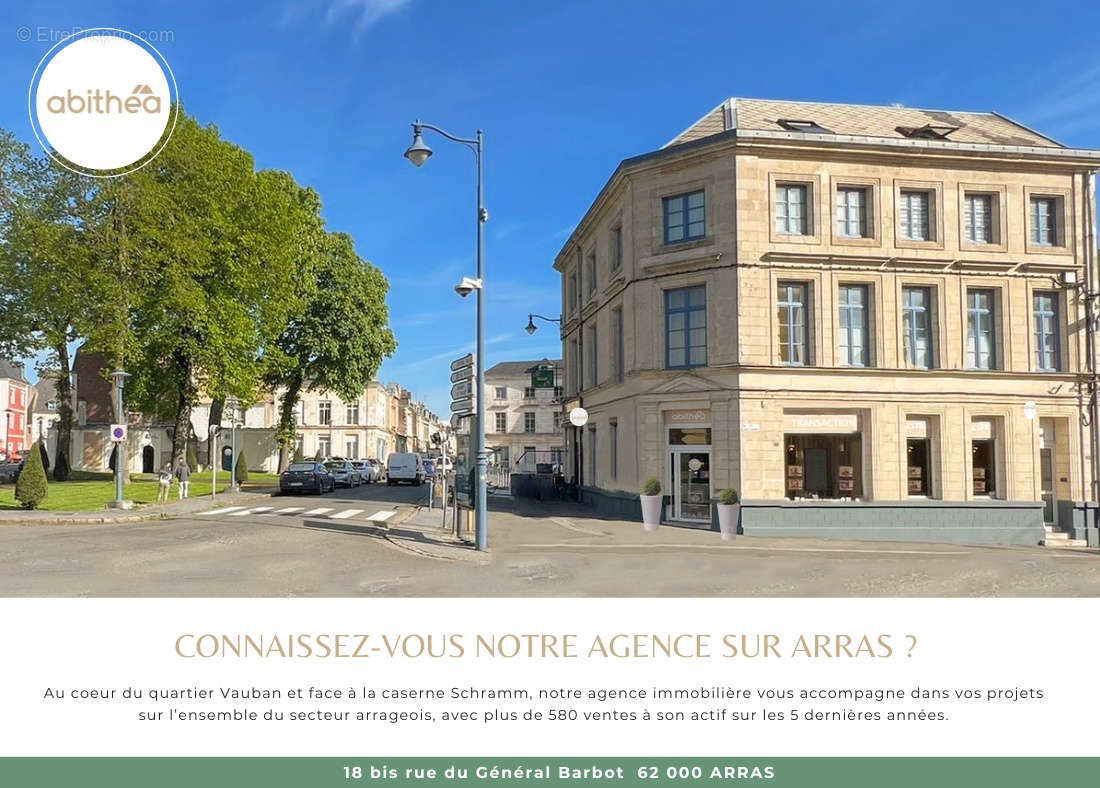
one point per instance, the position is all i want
(563, 90)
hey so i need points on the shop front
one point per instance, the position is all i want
(688, 435)
(823, 456)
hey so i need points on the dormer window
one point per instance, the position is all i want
(926, 132)
(807, 126)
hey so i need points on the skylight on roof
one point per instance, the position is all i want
(926, 132)
(807, 126)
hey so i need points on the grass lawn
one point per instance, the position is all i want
(91, 491)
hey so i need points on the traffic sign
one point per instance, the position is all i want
(578, 417)
(118, 433)
(465, 405)
(462, 363)
(462, 389)
(457, 418)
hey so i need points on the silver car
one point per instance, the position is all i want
(344, 473)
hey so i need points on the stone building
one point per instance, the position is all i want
(869, 321)
(523, 422)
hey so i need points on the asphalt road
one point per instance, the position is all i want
(325, 546)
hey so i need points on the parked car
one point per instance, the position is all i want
(345, 474)
(366, 471)
(9, 472)
(404, 467)
(306, 477)
(379, 469)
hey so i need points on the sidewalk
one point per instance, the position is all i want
(138, 514)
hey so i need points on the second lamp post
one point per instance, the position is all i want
(418, 153)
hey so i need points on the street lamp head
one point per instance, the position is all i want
(418, 152)
(531, 327)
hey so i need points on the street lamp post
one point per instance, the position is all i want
(118, 377)
(532, 328)
(418, 153)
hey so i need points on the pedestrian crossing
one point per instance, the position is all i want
(325, 512)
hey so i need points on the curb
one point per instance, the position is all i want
(96, 518)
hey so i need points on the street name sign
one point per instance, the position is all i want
(465, 406)
(462, 389)
(462, 363)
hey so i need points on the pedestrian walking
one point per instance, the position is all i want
(183, 475)
(164, 481)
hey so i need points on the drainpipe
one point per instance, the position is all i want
(1091, 280)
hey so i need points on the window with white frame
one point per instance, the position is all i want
(352, 414)
(913, 215)
(1044, 214)
(616, 248)
(978, 219)
(501, 392)
(981, 331)
(501, 422)
(324, 445)
(324, 413)
(529, 422)
(853, 339)
(917, 326)
(851, 212)
(792, 209)
(1045, 315)
(590, 274)
(794, 333)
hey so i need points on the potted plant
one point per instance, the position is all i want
(729, 512)
(651, 504)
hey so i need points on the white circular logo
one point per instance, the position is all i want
(103, 102)
(578, 417)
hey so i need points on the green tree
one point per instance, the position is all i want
(203, 250)
(242, 467)
(61, 468)
(339, 338)
(192, 456)
(32, 488)
(45, 455)
(52, 287)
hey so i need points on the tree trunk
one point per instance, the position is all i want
(217, 407)
(64, 407)
(285, 432)
(181, 431)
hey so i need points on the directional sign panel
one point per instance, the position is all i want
(462, 405)
(461, 389)
(463, 374)
(462, 363)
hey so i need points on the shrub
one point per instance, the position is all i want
(45, 455)
(32, 487)
(242, 467)
(651, 486)
(191, 456)
(298, 456)
(318, 456)
(61, 468)
(728, 496)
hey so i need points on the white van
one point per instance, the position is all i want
(404, 467)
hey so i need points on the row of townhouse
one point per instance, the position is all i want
(385, 419)
(869, 321)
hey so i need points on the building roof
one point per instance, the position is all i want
(45, 392)
(861, 120)
(517, 369)
(12, 370)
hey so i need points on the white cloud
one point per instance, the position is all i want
(365, 12)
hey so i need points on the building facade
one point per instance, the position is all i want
(15, 402)
(869, 321)
(523, 422)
